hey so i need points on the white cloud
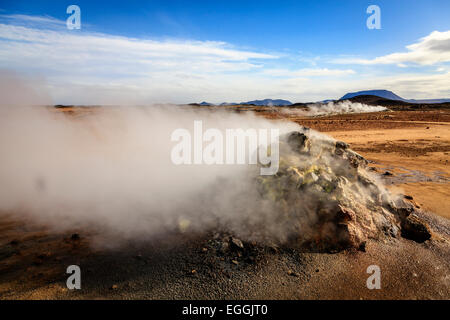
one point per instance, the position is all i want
(430, 50)
(82, 67)
(419, 86)
(308, 72)
(27, 19)
(86, 48)
(80, 58)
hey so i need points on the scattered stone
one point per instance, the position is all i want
(293, 273)
(44, 255)
(273, 248)
(345, 214)
(362, 246)
(387, 173)
(235, 262)
(38, 262)
(250, 259)
(355, 159)
(75, 236)
(299, 142)
(413, 228)
(341, 145)
(204, 250)
(114, 287)
(340, 148)
(236, 243)
(224, 247)
(411, 200)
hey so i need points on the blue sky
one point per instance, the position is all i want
(184, 51)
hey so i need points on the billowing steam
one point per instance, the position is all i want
(111, 171)
(334, 108)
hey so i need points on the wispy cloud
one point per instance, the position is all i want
(120, 68)
(84, 67)
(430, 50)
(27, 19)
(61, 52)
(308, 72)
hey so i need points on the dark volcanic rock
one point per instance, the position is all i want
(414, 228)
(298, 141)
(327, 199)
(75, 236)
(236, 243)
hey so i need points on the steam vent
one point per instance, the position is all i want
(327, 199)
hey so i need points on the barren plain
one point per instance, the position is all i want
(410, 151)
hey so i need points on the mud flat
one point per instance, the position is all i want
(408, 152)
(418, 159)
(412, 145)
(181, 268)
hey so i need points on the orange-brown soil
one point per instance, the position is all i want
(412, 145)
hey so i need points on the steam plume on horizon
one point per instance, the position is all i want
(334, 108)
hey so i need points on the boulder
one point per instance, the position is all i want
(414, 228)
(325, 197)
(298, 141)
(236, 244)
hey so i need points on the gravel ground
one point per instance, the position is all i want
(195, 267)
(33, 260)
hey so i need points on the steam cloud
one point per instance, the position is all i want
(110, 171)
(334, 108)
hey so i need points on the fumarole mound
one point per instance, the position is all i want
(327, 199)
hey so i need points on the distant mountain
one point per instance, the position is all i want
(386, 94)
(379, 93)
(379, 101)
(269, 102)
(204, 103)
(228, 104)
